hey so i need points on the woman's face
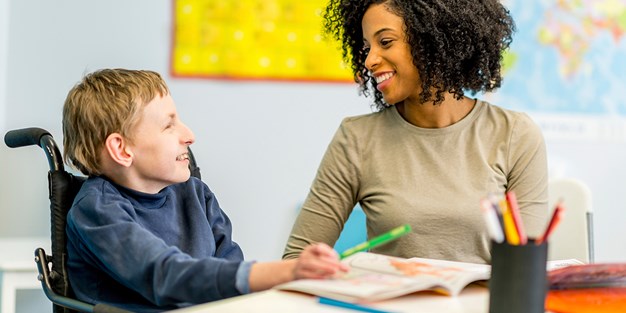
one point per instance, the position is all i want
(389, 58)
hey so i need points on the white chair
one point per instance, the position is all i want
(573, 237)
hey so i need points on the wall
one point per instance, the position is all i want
(4, 34)
(258, 143)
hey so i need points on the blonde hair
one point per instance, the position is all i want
(104, 102)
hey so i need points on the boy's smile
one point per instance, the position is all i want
(182, 157)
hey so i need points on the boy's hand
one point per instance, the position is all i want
(318, 261)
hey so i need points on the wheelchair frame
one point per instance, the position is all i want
(62, 188)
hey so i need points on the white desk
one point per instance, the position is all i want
(473, 299)
(17, 268)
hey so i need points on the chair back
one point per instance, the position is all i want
(354, 230)
(573, 237)
(63, 188)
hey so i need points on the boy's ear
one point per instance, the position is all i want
(117, 149)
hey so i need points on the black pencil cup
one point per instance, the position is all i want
(518, 281)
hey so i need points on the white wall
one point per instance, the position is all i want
(4, 39)
(258, 144)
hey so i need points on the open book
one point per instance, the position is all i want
(374, 277)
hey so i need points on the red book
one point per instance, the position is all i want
(596, 288)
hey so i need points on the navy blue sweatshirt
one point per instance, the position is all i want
(152, 252)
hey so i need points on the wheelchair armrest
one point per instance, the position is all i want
(44, 276)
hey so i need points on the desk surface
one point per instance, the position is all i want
(473, 299)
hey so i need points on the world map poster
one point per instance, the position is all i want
(567, 67)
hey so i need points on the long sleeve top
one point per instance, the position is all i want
(431, 178)
(152, 252)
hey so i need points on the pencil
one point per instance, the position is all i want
(377, 241)
(556, 218)
(517, 219)
(496, 208)
(491, 220)
(347, 305)
(511, 234)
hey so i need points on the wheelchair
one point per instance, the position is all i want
(62, 188)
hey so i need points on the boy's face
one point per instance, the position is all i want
(159, 147)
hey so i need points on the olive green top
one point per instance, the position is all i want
(430, 178)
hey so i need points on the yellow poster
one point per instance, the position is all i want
(254, 40)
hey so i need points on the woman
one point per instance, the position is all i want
(430, 153)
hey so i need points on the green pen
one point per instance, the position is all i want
(377, 241)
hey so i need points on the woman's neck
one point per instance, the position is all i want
(427, 115)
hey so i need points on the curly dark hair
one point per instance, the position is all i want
(457, 45)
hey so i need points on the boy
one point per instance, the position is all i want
(142, 234)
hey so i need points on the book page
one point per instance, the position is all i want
(360, 285)
(451, 276)
(374, 277)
